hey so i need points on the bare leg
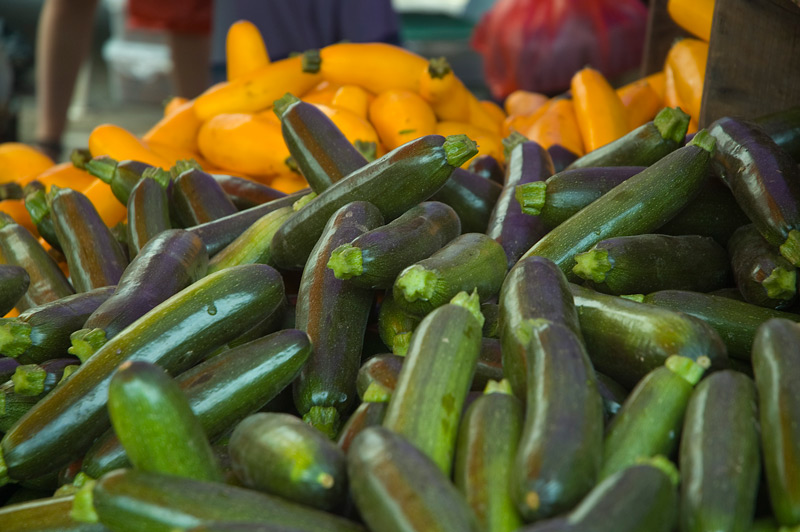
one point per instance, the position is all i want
(62, 42)
(191, 54)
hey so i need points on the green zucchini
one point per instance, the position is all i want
(534, 289)
(175, 335)
(44, 515)
(282, 455)
(334, 314)
(649, 422)
(395, 325)
(776, 363)
(487, 167)
(148, 213)
(613, 395)
(394, 183)
(197, 198)
(627, 339)
(426, 405)
(377, 378)
(762, 275)
(239, 527)
(155, 424)
(398, 488)
(127, 500)
(471, 261)
(647, 263)
(639, 205)
(14, 282)
(735, 321)
(374, 259)
(472, 197)
(121, 176)
(644, 145)
(719, 455)
(39, 211)
(784, 128)
(487, 443)
(561, 447)
(246, 193)
(366, 415)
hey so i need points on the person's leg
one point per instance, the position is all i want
(62, 42)
(191, 59)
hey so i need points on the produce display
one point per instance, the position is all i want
(339, 293)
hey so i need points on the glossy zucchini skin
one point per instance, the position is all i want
(648, 263)
(471, 261)
(487, 167)
(534, 289)
(735, 321)
(398, 488)
(613, 395)
(127, 500)
(561, 447)
(644, 145)
(148, 214)
(626, 339)
(41, 333)
(94, 256)
(426, 405)
(167, 264)
(776, 363)
(14, 282)
(322, 152)
(222, 390)
(282, 455)
(334, 314)
(366, 415)
(219, 233)
(156, 425)
(472, 197)
(385, 182)
(784, 128)
(762, 275)
(197, 198)
(18, 247)
(637, 206)
(253, 245)
(720, 460)
(246, 193)
(515, 231)
(487, 443)
(175, 335)
(385, 251)
(764, 179)
(44, 515)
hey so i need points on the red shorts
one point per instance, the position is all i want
(178, 16)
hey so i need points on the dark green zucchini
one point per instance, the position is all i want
(613, 395)
(398, 488)
(649, 422)
(639, 205)
(28, 385)
(647, 263)
(561, 447)
(426, 405)
(127, 500)
(94, 256)
(334, 314)
(627, 339)
(14, 282)
(14, 405)
(240, 527)
(197, 198)
(644, 145)
(8, 366)
(472, 197)
(121, 176)
(719, 455)
(148, 213)
(764, 179)
(366, 415)
(18, 247)
(762, 275)
(735, 321)
(535, 289)
(246, 193)
(45, 515)
(43, 332)
(377, 378)
(253, 245)
(175, 335)
(39, 211)
(776, 364)
(219, 233)
(374, 259)
(223, 390)
(487, 167)
(487, 443)
(319, 148)
(394, 183)
(491, 316)
(284, 456)
(561, 157)
(471, 261)
(395, 325)
(509, 226)
(784, 128)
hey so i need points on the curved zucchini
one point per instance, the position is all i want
(197, 198)
(253, 245)
(148, 213)
(762, 275)
(472, 197)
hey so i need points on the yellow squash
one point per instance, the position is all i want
(558, 125)
(122, 145)
(641, 102)
(400, 116)
(376, 67)
(245, 51)
(687, 59)
(599, 111)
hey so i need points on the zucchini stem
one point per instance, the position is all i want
(83, 505)
(531, 197)
(103, 168)
(663, 463)
(368, 149)
(791, 247)
(312, 61)
(689, 370)
(86, 342)
(79, 157)
(346, 262)
(36, 205)
(459, 149)
(375, 393)
(15, 337)
(325, 419)
(672, 123)
(471, 302)
(781, 283)
(282, 104)
(29, 380)
(512, 141)
(438, 67)
(400, 343)
(417, 283)
(493, 386)
(592, 265)
(703, 139)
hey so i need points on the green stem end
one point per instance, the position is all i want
(346, 262)
(325, 419)
(375, 393)
(689, 370)
(102, 167)
(459, 149)
(672, 123)
(400, 343)
(438, 67)
(592, 265)
(703, 139)
(417, 283)
(512, 141)
(368, 149)
(86, 342)
(791, 247)
(531, 197)
(498, 387)
(15, 337)
(471, 302)
(36, 205)
(282, 104)
(83, 505)
(312, 61)
(781, 283)
(79, 157)
(29, 379)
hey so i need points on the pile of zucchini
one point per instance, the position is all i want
(605, 344)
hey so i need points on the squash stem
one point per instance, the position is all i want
(689, 370)
(86, 342)
(325, 419)
(781, 283)
(791, 247)
(29, 380)
(672, 123)
(531, 197)
(15, 337)
(346, 262)
(400, 343)
(417, 283)
(459, 149)
(592, 265)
